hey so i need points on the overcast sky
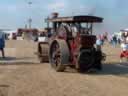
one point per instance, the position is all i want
(15, 13)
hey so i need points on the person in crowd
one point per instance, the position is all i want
(114, 40)
(102, 39)
(124, 52)
(99, 43)
(110, 39)
(2, 43)
(119, 40)
(105, 36)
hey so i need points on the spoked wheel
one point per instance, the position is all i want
(59, 55)
(56, 56)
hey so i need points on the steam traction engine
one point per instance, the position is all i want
(72, 43)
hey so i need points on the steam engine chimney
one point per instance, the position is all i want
(54, 15)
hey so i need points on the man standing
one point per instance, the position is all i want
(2, 43)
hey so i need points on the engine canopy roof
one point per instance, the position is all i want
(84, 18)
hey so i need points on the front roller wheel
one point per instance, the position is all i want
(43, 52)
(59, 55)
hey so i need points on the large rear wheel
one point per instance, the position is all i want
(86, 60)
(99, 57)
(59, 55)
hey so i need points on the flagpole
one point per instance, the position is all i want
(30, 19)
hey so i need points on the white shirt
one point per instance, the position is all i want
(124, 46)
(98, 42)
(43, 39)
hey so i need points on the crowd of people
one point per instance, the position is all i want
(121, 40)
(115, 40)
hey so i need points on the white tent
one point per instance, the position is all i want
(124, 30)
(10, 32)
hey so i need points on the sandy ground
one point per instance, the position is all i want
(21, 74)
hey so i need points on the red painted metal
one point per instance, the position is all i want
(80, 39)
(75, 45)
(124, 54)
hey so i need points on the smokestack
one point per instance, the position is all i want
(54, 15)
